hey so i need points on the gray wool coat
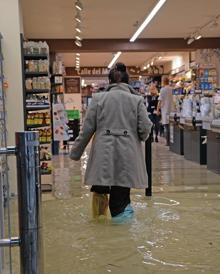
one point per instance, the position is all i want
(118, 121)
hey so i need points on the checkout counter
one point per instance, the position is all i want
(213, 147)
(176, 134)
(195, 145)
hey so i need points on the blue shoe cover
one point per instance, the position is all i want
(125, 216)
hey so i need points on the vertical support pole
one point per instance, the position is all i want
(29, 193)
(148, 159)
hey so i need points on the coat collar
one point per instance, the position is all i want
(122, 86)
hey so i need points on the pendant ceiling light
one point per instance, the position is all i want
(78, 17)
(78, 28)
(78, 5)
(78, 38)
(78, 43)
(198, 36)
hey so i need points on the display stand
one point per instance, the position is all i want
(213, 149)
(176, 135)
(195, 147)
(37, 107)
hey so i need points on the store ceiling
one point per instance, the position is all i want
(116, 18)
(129, 58)
(54, 19)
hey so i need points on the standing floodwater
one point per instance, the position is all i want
(176, 231)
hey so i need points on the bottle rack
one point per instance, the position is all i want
(37, 104)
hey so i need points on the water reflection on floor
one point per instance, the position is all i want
(178, 230)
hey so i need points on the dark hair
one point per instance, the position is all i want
(166, 81)
(118, 74)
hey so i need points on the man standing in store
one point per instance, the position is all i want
(165, 105)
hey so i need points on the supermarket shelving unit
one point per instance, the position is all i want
(39, 109)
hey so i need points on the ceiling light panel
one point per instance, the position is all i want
(148, 19)
(115, 58)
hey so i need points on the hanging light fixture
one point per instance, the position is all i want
(78, 28)
(78, 43)
(77, 54)
(190, 41)
(78, 5)
(78, 38)
(198, 36)
(78, 17)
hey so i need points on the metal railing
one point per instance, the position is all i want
(29, 202)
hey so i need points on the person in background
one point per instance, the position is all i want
(165, 105)
(118, 121)
(152, 102)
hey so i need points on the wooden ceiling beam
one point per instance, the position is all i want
(141, 45)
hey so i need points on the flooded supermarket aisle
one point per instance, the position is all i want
(177, 230)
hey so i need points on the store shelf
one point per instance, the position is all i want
(35, 56)
(37, 91)
(93, 75)
(56, 84)
(57, 93)
(36, 74)
(45, 143)
(37, 107)
(45, 160)
(46, 187)
(38, 126)
(42, 172)
(57, 74)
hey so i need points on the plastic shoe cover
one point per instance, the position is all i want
(99, 205)
(125, 216)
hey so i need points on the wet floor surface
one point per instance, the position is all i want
(176, 231)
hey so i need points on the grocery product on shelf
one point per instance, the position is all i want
(40, 83)
(45, 168)
(45, 135)
(45, 155)
(35, 48)
(206, 107)
(196, 98)
(187, 107)
(216, 106)
(37, 66)
(33, 100)
(38, 118)
(58, 67)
